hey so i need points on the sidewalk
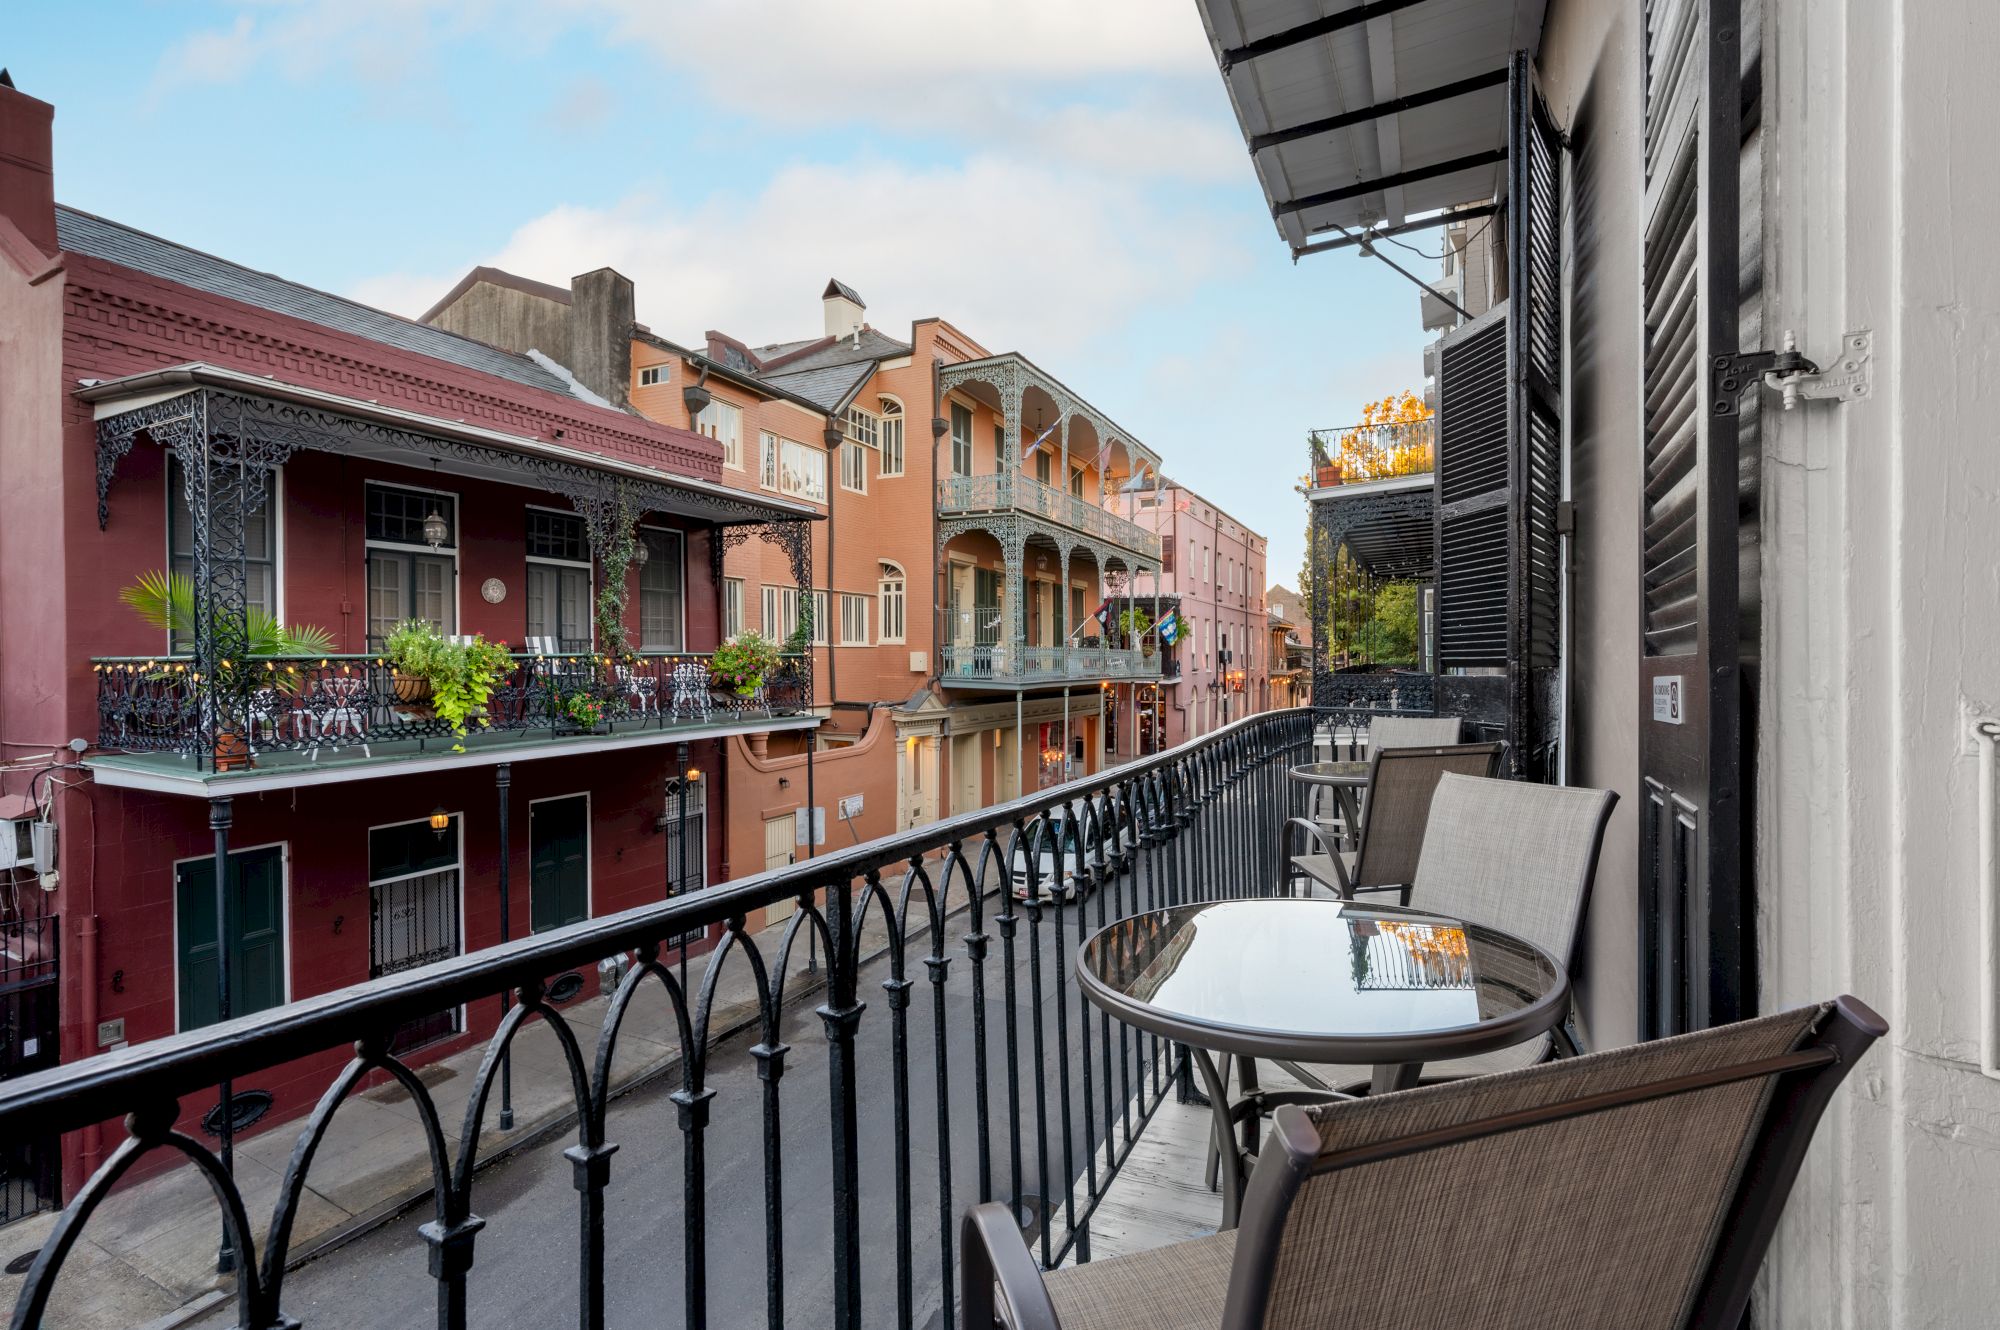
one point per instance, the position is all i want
(147, 1256)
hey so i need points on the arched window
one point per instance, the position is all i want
(891, 593)
(891, 441)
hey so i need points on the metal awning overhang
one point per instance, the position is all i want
(1363, 115)
(1388, 525)
(685, 495)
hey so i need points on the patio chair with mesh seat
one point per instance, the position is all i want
(1412, 732)
(1506, 1201)
(1401, 782)
(1514, 855)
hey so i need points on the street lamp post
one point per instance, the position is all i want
(221, 815)
(503, 781)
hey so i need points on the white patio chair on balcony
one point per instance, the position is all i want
(641, 690)
(690, 692)
(335, 711)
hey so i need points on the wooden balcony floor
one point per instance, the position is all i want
(1158, 1197)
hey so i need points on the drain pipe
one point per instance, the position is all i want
(833, 436)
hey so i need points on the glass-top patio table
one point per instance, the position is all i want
(1316, 981)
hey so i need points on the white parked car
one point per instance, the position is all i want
(1057, 853)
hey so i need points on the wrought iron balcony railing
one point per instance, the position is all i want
(1352, 454)
(960, 495)
(1000, 1083)
(999, 663)
(328, 703)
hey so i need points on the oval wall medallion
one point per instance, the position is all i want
(494, 590)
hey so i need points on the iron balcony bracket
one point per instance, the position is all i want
(1787, 372)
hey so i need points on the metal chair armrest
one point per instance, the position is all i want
(993, 1255)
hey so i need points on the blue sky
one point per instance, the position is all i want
(1060, 179)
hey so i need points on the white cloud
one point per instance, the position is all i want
(1093, 83)
(1022, 257)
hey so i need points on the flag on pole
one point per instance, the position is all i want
(1040, 439)
(1169, 627)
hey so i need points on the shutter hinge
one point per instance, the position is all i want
(1790, 373)
(1566, 517)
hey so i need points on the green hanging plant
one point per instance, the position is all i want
(462, 675)
(612, 596)
(802, 632)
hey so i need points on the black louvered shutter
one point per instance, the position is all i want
(1695, 949)
(1472, 494)
(1534, 427)
(1499, 462)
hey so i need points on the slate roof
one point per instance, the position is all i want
(836, 287)
(829, 389)
(99, 238)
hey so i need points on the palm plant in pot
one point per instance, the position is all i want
(167, 600)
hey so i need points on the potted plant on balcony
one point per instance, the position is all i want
(584, 711)
(743, 663)
(1135, 623)
(167, 600)
(460, 675)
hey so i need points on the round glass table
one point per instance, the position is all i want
(1317, 981)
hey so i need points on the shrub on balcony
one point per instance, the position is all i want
(743, 663)
(461, 675)
(1135, 623)
(166, 600)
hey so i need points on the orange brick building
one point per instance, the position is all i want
(968, 543)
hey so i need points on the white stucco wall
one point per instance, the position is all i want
(1882, 630)
(1881, 606)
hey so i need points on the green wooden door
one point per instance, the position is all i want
(559, 852)
(257, 944)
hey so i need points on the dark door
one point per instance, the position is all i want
(559, 846)
(1695, 948)
(30, 1166)
(413, 913)
(257, 949)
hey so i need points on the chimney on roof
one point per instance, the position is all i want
(844, 308)
(600, 333)
(27, 166)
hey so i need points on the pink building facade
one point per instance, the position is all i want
(1212, 578)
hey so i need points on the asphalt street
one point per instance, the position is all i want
(525, 1270)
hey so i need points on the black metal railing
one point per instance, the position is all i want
(924, 1107)
(311, 704)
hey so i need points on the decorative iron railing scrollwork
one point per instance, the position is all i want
(1044, 1109)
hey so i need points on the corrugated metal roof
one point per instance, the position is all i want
(113, 242)
(1400, 54)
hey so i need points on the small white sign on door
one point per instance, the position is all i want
(1667, 699)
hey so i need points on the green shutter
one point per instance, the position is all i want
(559, 841)
(257, 951)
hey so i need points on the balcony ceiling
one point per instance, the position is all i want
(1361, 56)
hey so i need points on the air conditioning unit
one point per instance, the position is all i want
(31, 843)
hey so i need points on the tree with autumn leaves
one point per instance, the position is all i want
(1372, 622)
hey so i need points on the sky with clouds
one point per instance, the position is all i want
(1063, 179)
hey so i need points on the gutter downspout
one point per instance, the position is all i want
(833, 438)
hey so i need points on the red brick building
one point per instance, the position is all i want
(299, 456)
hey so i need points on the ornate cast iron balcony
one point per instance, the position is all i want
(336, 704)
(1002, 665)
(1356, 454)
(953, 1029)
(965, 495)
